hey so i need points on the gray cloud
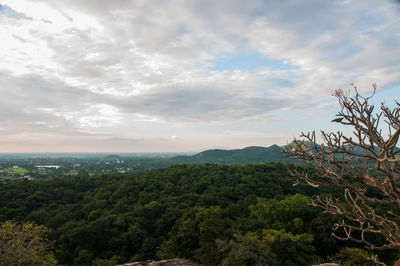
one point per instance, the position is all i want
(192, 104)
(89, 67)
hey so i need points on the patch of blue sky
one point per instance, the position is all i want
(12, 13)
(247, 61)
(354, 77)
(370, 20)
(389, 94)
(340, 52)
(275, 85)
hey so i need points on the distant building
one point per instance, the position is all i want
(16, 167)
(48, 166)
(27, 177)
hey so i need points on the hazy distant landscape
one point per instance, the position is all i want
(57, 165)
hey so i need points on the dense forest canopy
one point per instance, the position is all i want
(212, 214)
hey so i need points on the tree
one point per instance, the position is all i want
(290, 249)
(24, 244)
(365, 165)
(246, 250)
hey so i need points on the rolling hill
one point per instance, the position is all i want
(253, 154)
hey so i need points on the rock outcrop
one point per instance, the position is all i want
(171, 262)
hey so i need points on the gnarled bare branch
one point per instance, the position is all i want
(367, 159)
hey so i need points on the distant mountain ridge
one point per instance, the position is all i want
(252, 154)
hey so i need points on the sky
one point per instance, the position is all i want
(186, 75)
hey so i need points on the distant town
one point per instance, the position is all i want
(44, 166)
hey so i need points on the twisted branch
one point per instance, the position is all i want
(356, 163)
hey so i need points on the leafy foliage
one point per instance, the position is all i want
(24, 244)
(354, 256)
(248, 250)
(251, 154)
(213, 214)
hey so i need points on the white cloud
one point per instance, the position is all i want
(105, 66)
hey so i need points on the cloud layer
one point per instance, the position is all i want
(154, 72)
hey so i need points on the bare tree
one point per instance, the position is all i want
(367, 160)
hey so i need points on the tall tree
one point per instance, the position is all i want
(24, 244)
(365, 165)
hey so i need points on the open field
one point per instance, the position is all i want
(14, 171)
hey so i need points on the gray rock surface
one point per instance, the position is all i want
(171, 262)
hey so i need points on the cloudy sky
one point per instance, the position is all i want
(185, 75)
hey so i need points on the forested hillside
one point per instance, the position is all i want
(212, 214)
(252, 154)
